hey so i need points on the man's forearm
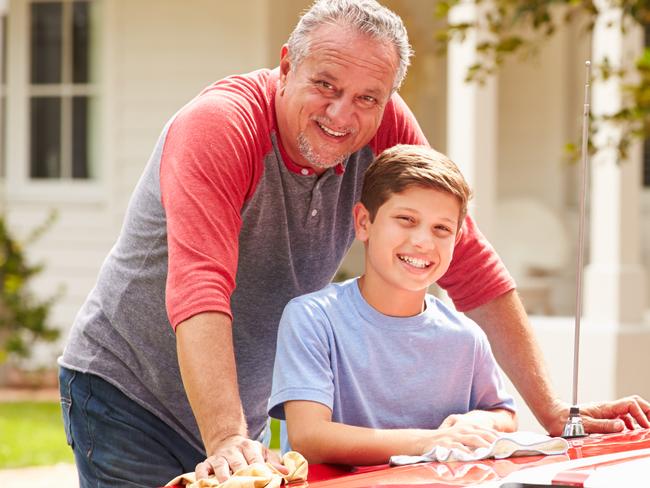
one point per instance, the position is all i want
(207, 363)
(515, 347)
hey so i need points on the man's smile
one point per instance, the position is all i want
(328, 130)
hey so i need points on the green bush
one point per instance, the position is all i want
(23, 317)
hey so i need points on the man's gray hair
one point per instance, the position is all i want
(365, 16)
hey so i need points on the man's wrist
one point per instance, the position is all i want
(554, 416)
(221, 438)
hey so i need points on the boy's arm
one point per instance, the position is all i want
(313, 434)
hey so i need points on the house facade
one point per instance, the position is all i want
(87, 85)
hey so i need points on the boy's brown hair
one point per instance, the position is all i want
(404, 166)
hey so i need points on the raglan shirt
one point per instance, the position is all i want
(223, 221)
(373, 370)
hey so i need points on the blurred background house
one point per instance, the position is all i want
(86, 86)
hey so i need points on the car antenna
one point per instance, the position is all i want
(574, 426)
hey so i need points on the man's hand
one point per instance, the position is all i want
(234, 453)
(606, 417)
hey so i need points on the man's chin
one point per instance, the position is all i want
(326, 163)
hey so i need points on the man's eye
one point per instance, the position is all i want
(368, 101)
(325, 84)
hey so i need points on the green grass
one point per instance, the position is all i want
(31, 434)
(275, 434)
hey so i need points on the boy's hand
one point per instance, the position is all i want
(479, 418)
(498, 419)
(463, 436)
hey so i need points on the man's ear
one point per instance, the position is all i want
(361, 221)
(285, 64)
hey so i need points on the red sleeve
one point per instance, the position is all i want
(211, 161)
(398, 126)
(476, 274)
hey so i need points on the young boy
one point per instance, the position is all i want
(372, 367)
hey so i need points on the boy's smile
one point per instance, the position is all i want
(409, 246)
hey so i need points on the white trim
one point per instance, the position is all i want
(62, 90)
(645, 200)
(3, 96)
(56, 190)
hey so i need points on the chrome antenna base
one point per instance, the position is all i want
(573, 427)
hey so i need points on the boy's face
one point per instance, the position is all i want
(411, 242)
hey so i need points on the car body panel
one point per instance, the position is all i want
(589, 462)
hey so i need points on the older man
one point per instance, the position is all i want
(245, 203)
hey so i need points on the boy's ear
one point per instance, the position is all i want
(361, 221)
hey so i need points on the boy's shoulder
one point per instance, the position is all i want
(332, 296)
(449, 318)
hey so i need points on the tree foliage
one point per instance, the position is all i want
(23, 317)
(519, 27)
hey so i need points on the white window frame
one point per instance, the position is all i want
(19, 186)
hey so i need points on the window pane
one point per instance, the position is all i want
(45, 155)
(80, 122)
(80, 41)
(46, 49)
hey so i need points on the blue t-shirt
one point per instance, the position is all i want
(377, 371)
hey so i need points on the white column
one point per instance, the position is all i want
(472, 119)
(614, 279)
(3, 116)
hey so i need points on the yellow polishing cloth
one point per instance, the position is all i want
(256, 475)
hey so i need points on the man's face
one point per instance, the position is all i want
(332, 103)
(410, 243)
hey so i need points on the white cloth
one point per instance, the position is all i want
(511, 444)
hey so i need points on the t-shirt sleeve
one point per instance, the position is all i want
(398, 126)
(476, 274)
(302, 368)
(207, 172)
(488, 386)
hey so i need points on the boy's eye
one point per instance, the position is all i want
(406, 219)
(443, 229)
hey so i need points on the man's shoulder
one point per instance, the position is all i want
(398, 126)
(236, 99)
(253, 85)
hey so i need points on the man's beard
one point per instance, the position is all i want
(313, 158)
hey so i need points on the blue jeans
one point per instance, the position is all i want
(115, 441)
